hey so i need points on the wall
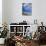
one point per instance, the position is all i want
(13, 11)
(0, 13)
(16, 13)
(4, 11)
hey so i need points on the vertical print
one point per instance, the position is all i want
(27, 9)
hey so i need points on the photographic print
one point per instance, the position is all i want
(27, 9)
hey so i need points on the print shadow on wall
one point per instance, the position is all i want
(27, 9)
